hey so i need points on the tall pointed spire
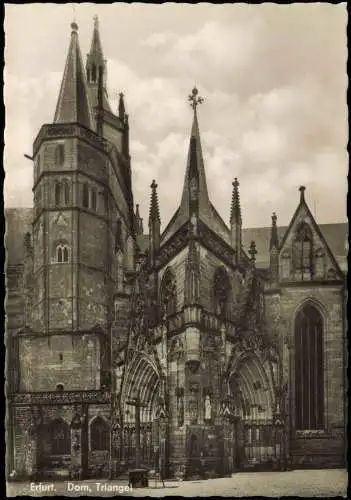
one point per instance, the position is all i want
(95, 58)
(154, 224)
(154, 215)
(94, 65)
(235, 210)
(195, 170)
(236, 221)
(73, 102)
(274, 249)
(121, 107)
(274, 233)
(138, 221)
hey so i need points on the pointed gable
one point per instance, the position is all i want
(73, 102)
(195, 178)
(304, 245)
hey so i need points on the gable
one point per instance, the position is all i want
(316, 255)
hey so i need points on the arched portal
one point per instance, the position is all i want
(252, 394)
(141, 384)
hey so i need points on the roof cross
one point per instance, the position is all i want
(194, 99)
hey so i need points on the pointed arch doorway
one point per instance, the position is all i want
(141, 384)
(252, 393)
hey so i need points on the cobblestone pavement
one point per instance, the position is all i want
(304, 483)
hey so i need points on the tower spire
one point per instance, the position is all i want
(154, 224)
(121, 107)
(236, 221)
(274, 249)
(96, 64)
(235, 210)
(195, 180)
(274, 233)
(154, 215)
(73, 102)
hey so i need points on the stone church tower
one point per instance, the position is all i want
(189, 344)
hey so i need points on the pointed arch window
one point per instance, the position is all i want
(309, 376)
(168, 293)
(85, 196)
(303, 248)
(62, 254)
(60, 154)
(57, 193)
(99, 435)
(60, 437)
(221, 290)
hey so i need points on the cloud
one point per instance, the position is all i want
(274, 82)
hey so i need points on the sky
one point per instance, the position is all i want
(273, 78)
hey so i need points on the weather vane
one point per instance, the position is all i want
(194, 99)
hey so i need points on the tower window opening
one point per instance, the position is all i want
(85, 196)
(59, 254)
(57, 193)
(93, 199)
(93, 73)
(62, 254)
(60, 154)
(59, 387)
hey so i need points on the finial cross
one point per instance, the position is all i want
(194, 99)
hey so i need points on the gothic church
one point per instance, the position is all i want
(218, 347)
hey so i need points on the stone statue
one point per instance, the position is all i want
(208, 408)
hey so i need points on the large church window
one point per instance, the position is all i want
(221, 289)
(60, 437)
(309, 383)
(168, 293)
(99, 435)
(303, 247)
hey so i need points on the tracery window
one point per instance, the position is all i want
(168, 294)
(303, 247)
(60, 437)
(99, 435)
(221, 291)
(309, 383)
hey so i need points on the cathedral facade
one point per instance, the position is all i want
(209, 346)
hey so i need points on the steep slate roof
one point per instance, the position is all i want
(18, 222)
(73, 104)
